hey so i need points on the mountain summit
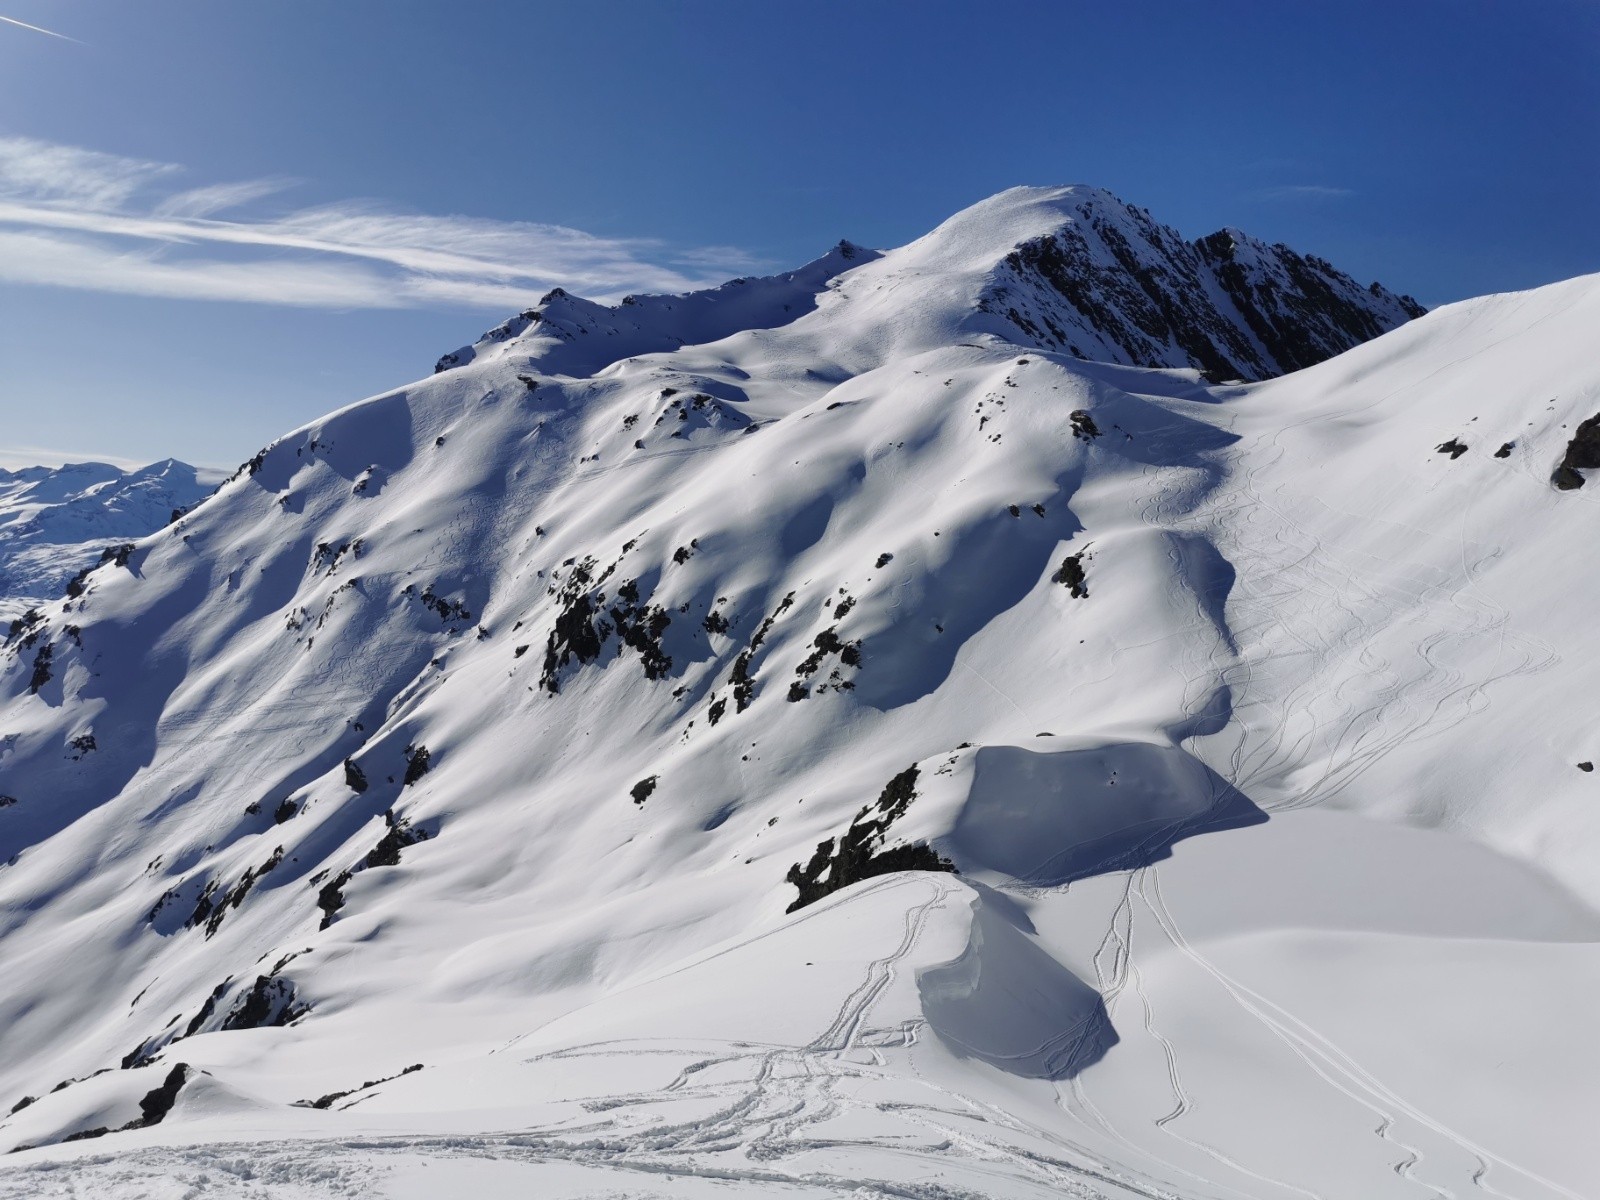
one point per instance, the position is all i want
(892, 728)
(1071, 269)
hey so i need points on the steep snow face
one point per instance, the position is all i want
(55, 521)
(866, 753)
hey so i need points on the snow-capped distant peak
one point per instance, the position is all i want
(54, 521)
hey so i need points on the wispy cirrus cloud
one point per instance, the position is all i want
(1302, 191)
(74, 217)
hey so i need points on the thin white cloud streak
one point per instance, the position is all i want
(55, 260)
(218, 197)
(40, 29)
(74, 223)
(1303, 191)
(52, 173)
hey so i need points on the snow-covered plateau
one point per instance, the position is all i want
(952, 722)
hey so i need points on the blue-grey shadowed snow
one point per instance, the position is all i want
(1008, 1003)
(1049, 819)
(1210, 578)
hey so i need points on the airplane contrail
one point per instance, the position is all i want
(37, 29)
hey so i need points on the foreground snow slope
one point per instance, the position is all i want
(456, 766)
(55, 521)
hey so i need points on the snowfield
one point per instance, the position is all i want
(917, 726)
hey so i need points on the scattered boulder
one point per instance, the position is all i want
(1455, 448)
(1583, 454)
(418, 763)
(330, 899)
(158, 1102)
(1083, 426)
(399, 835)
(1072, 575)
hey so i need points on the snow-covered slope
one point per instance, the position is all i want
(864, 752)
(55, 521)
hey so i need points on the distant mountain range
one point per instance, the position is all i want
(54, 521)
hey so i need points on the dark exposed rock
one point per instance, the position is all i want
(1583, 454)
(1454, 448)
(329, 1100)
(1505, 450)
(41, 668)
(269, 1003)
(884, 560)
(158, 1102)
(642, 790)
(1071, 574)
(418, 763)
(330, 899)
(284, 811)
(235, 895)
(354, 777)
(824, 644)
(860, 853)
(1229, 305)
(28, 623)
(78, 584)
(641, 629)
(744, 687)
(85, 1134)
(451, 612)
(399, 835)
(1586, 766)
(1083, 426)
(206, 1009)
(1312, 312)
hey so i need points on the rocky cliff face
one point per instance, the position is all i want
(1113, 285)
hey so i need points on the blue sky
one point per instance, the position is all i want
(220, 220)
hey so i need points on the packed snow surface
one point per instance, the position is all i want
(833, 742)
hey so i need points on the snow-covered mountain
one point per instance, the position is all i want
(843, 743)
(56, 521)
(1096, 278)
